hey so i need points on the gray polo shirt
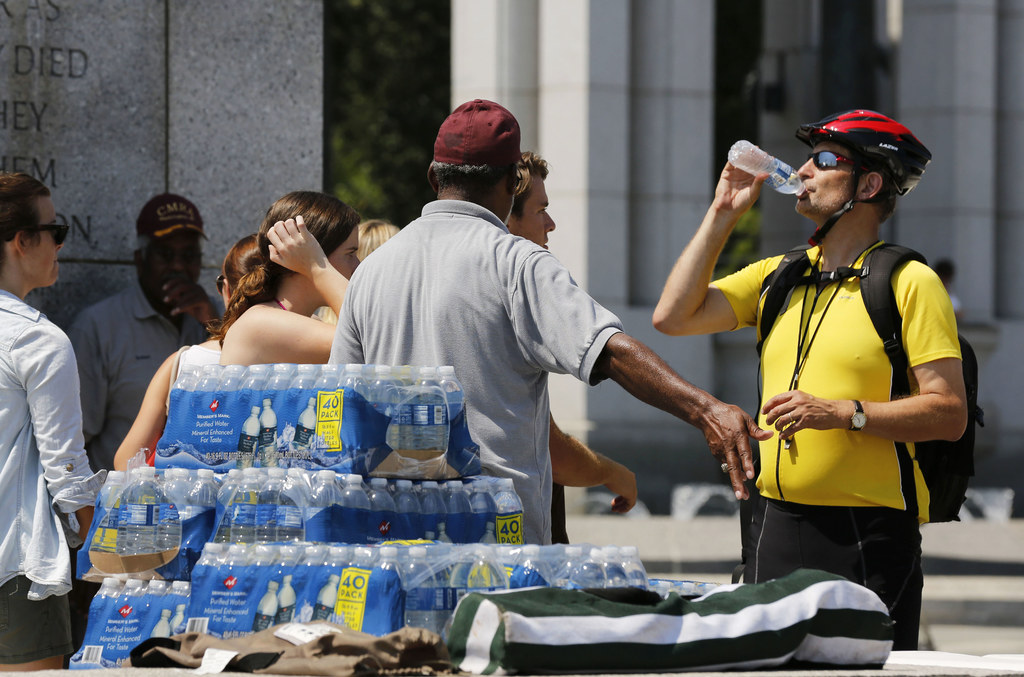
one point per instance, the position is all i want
(454, 287)
(119, 343)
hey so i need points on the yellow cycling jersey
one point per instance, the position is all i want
(840, 357)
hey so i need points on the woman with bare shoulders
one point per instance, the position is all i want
(269, 318)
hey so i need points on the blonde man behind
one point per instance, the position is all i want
(572, 463)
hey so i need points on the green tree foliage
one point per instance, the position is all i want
(387, 86)
(737, 50)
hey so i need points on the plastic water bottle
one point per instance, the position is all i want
(382, 507)
(353, 380)
(508, 522)
(305, 376)
(188, 378)
(485, 510)
(285, 601)
(278, 517)
(636, 574)
(105, 537)
(209, 379)
(383, 390)
(256, 377)
(176, 487)
(571, 557)
(243, 507)
(531, 568)
(306, 426)
(614, 572)
(459, 512)
(281, 375)
(452, 389)
(146, 522)
(267, 452)
(590, 571)
(753, 160)
(424, 594)
(353, 495)
(408, 509)
(203, 491)
(225, 497)
(231, 378)
(432, 506)
(478, 570)
(248, 440)
(267, 608)
(423, 414)
(329, 377)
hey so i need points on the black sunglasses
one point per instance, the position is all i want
(826, 159)
(220, 283)
(60, 232)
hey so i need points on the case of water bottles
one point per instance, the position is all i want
(238, 589)
(374, 420)
(155, 523)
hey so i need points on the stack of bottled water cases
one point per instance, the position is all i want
(239, 589)
(367, 419)
(173, 513)
(124, 613)
(268, 505)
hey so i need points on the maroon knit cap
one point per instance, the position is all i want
(478, 132)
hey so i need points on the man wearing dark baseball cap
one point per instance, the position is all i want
(454, 287)
(121, 341)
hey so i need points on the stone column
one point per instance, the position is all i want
(110, 102)
(617, 96)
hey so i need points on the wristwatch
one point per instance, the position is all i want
(859, 419)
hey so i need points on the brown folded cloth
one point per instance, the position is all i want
(408, 651)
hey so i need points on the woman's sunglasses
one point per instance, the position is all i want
(60, 232)
(220, 283)
(826, 159)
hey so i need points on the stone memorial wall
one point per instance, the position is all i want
(109, 102)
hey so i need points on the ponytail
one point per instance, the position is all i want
(257, 286)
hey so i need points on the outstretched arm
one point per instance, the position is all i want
(689, 303)
(647, 377)
(574, 464)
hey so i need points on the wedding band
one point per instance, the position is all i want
(725, 468)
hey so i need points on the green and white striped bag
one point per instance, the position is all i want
(809, 617)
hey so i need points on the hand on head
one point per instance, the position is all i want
(292, 247)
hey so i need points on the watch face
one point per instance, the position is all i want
(858, 420)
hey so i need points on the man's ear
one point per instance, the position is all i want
(870, 185)
(139, 258)
(432, 179)
(512, 181)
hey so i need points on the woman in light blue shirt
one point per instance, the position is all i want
(47, 489)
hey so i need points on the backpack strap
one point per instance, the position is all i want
(777, 287)
(880, 302)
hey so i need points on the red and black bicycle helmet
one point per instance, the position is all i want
(883, 144)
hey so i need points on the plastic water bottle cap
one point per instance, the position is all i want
(146, 471)
(389, 551)
(325, 475)
(446, 370)
(353, 369)
(378, 482)
(276, 472)
(403, 484)
(205, 473)
(415, 552)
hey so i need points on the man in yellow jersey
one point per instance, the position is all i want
(830, 481)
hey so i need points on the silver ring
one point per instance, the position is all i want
(725, 468)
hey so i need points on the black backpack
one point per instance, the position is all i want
(946, 466)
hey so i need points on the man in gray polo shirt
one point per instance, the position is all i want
(455, 288)
(122, 340)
